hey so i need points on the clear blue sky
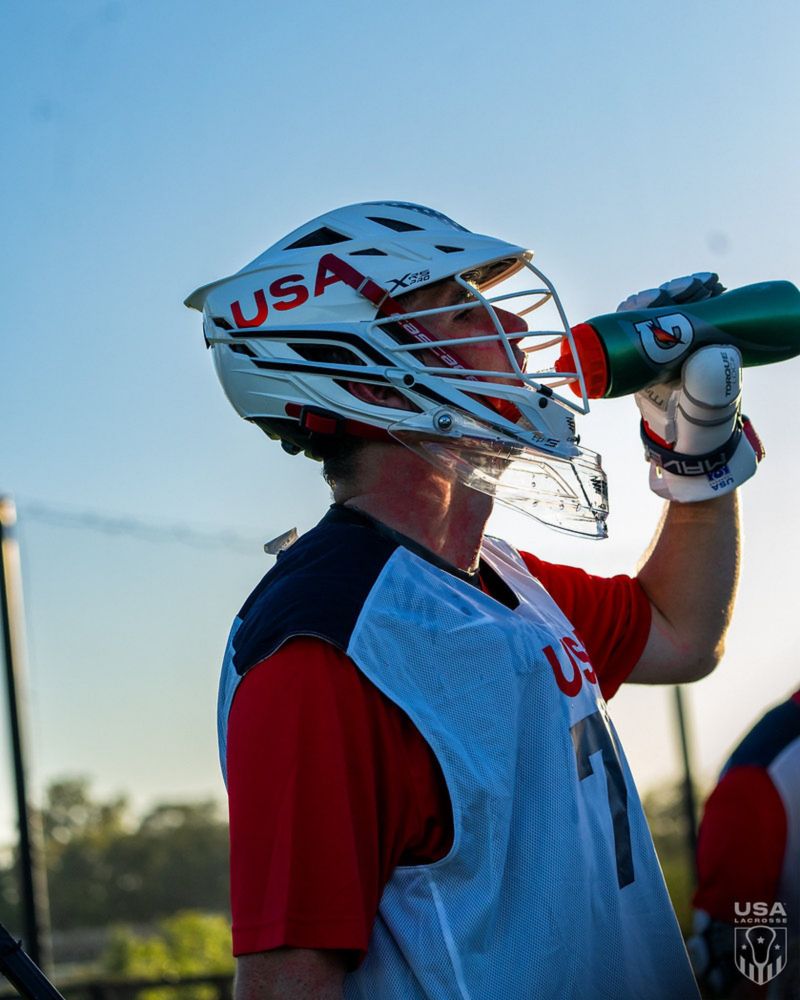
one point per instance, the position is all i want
(152, 146)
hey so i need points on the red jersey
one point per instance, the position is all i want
(746, 817)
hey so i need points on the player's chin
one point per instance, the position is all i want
(502, 364)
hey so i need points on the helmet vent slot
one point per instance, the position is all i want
(323, 237)
(242, 349)
(372, 252)
(450, 249)
(396, 224)
(332, 353)
(221, 323)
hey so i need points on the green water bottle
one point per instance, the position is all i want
(624, 352)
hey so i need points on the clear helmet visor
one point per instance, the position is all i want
(568, 494)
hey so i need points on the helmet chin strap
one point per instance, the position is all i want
(389, 307)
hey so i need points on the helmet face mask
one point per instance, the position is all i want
(397, 296)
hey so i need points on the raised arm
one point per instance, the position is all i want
(700, 450)
(690, 576)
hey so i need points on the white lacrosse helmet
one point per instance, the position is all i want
(322, 309)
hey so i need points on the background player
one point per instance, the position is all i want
(749, 852)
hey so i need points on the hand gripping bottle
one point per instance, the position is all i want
(623, 352)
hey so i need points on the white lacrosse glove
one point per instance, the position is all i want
(697, 442)
(691, 288)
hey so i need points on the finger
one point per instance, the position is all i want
(693, 287)
(650, 298)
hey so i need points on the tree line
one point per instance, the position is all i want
(106, 866)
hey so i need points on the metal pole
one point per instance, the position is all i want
(689, 804)
(33, 878)
(23, 974)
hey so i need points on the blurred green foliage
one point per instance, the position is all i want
(184, 944)
(104, 866)
(666, 815)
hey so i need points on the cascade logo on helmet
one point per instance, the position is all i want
(412, 278)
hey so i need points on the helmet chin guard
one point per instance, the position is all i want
(330, 306)
(565, 493)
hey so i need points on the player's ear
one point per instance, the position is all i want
(378, 395)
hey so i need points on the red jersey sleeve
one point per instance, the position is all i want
(741, 844)
(611, 616)
(330, 787)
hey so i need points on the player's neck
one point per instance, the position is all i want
(410, 496)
